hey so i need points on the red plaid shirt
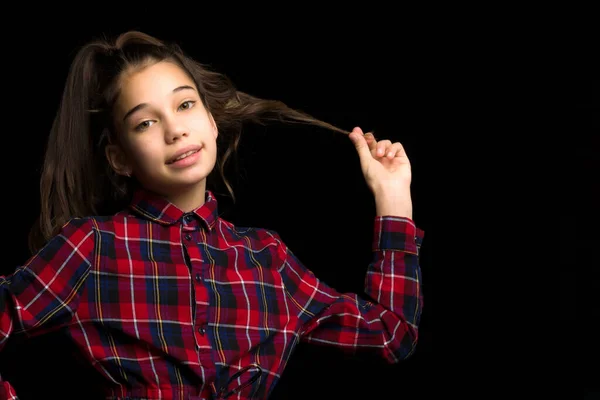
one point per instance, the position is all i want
(173, 305)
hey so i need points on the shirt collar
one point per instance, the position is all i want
(156, 208)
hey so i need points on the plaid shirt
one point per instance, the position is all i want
(173, 305)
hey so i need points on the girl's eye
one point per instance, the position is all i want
(186, 105)
(144, 125)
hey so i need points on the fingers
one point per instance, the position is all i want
(395, 150)
(378, 149)
(384, 148)
(371, 142)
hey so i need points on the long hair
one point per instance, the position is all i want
(76, 176)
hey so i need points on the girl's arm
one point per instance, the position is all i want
(43, 294)
(389, 324)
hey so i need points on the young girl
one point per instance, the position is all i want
(164, 298)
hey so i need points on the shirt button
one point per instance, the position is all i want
(198, 277)
(202, 330)
(188, 236)
(188, 218)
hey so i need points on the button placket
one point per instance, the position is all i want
(187, 236)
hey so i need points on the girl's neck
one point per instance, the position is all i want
(189, 199)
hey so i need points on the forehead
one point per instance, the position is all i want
(151, 84)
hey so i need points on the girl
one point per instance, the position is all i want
(165, 299)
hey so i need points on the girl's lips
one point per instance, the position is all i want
(183, 151)
(187, 161)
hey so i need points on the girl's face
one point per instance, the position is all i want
(167, 137)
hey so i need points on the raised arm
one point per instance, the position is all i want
(388, 323)
(43, 294)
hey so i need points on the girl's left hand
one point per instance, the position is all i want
(384, 164)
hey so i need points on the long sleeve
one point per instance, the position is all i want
(43, 294)
(388, 326)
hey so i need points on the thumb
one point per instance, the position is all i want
(357, 137)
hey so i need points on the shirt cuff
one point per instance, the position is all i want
(397, 233)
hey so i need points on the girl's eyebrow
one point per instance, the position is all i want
(144, 105)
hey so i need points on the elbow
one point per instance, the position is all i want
(406, 346)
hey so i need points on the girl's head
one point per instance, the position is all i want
(158, 117)
(129, 106)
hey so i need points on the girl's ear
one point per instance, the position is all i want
(117, 159)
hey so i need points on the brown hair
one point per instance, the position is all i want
(76, 175)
